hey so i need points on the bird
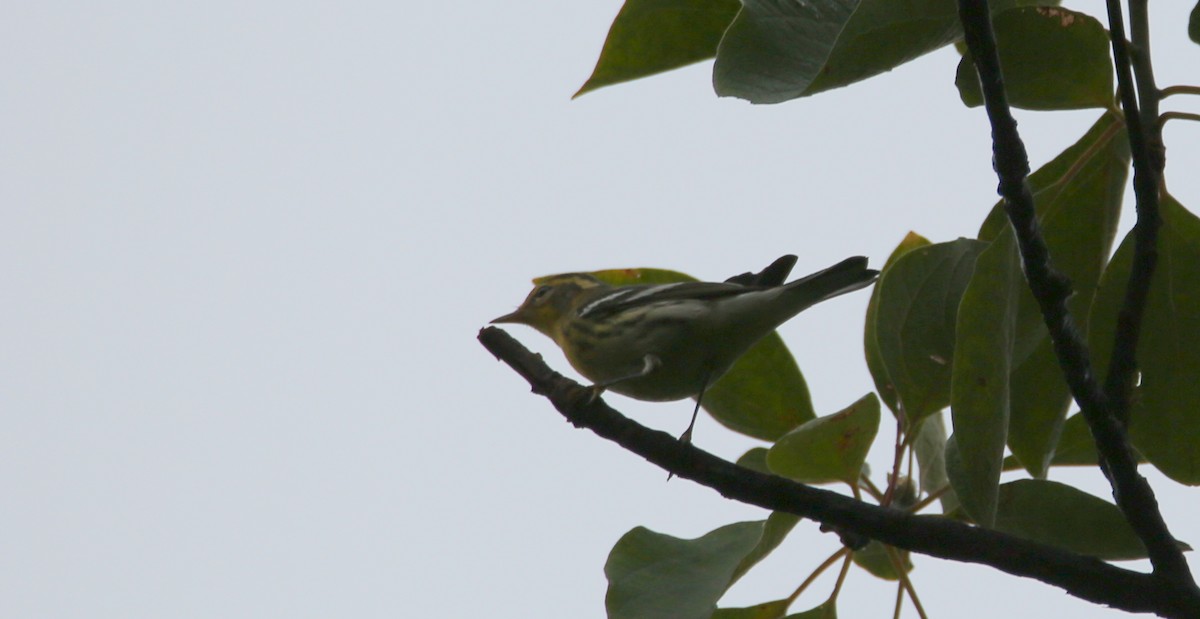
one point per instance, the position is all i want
(664, 342)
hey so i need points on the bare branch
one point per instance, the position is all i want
(1084, 577)
(1135, 70)
(1140, 105)
(1051, 289)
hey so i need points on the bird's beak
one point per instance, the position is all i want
(514, 317)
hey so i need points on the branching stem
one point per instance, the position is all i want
(1179, 90)
(1162, 120)
(1103, 410)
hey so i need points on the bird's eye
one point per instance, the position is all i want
(540, 293)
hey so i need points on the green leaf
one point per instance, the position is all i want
(1193, 27)
(755, 459)
(915, 321)
(651, 575)
(930, 449)
(828, 610)
(884, 34)
(883, 384)
(874, 558)
(1078, 198)
(1039, 397)
(1164, 426)
(775, 529)
(979, 405)
(774, 49)
(767, 610)
(777, 50)
(1059, 515)
(652, 36)
(957, 475)
(1051, 59)
(623, 277)
(828, 449)
(763, 395)
(1063, 173)
(1076, 447)
(776, 610)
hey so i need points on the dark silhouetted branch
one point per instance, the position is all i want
(1139, 101)
(1051, 289)
(1087, 578)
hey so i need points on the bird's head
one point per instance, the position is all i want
(552, 298)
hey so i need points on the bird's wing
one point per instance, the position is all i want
(775, 274)
(629, 297)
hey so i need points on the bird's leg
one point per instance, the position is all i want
(649, 364)
(686, 437)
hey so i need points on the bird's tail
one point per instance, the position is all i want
(846, 276)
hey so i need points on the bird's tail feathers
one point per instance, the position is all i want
(846, 276)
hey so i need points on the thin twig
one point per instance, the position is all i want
(1162, 120)
(905, 581)
(897, 460)
(1181, 89)
(927, 501)
(1140, 104)
(1148, 94)
(817, 573)
(871, 488)
(841, 579)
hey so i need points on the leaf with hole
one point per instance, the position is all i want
(1051, 59)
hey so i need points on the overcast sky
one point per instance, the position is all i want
(245, 249)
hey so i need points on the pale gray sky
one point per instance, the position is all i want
(246, 248)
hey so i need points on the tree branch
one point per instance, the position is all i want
(1147, 152)
(1051, 289)
(1148, 94)
(1135, 71)
(1084, 577)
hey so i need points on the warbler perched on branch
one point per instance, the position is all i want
(660, 342)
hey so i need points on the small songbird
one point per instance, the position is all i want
(660, 342)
